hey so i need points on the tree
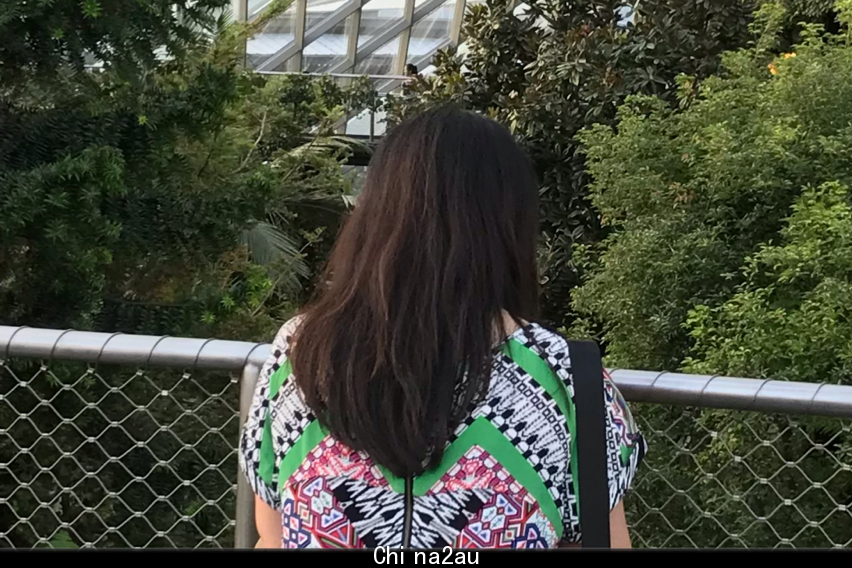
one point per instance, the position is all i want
(789, 318)
(40, 38)
(558, 67)
(731, 223)
(128, 192)
(562, 66)
(690, 194)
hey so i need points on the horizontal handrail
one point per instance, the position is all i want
(734, 393)
(708, 391)
(128, 349)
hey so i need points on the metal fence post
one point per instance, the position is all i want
(245, 531)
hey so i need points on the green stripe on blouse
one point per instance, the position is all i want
(544, 375)
(266, 468)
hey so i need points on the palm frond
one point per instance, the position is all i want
(351, 143)
(323, 144)
(268, 244)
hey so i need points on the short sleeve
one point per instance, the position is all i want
(626, 446)
(256, 452)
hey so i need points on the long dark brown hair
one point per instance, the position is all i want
(398, 343)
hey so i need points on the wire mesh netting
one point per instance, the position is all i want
(112, 457)
(732, 479)
(116, 457)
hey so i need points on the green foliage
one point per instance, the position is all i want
(53, 220)
(177, 195)
(561, 67)
(728, 254)
(790, 318)
(169, 196)
(691, 194)
(61, 540)
(43, 37)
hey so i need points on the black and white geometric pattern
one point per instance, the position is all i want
(620, 427)
(290, 417)
(378, 514)
(259, 413)
(529, 417)
(438, 519)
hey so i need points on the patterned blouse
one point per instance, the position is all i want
(507, 479)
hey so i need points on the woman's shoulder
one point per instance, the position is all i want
(287, 405)
(285, 337)
(546, 337)
(549, 344)
(274, 412)
(554, 348)
(275, 383)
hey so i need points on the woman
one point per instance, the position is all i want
(415, 403)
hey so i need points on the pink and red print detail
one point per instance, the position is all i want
(312, 518)
(507, 521)
(511, 518)
(331, 459)
(477, 469)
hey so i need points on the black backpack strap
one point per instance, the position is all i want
(593, 483)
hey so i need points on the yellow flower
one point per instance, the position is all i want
(772, 69)
(789, 55)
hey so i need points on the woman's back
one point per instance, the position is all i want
(506, 479)
(386, 416)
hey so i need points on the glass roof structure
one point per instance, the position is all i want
(377, 38)
(362, 37)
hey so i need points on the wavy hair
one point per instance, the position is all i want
(397, 344)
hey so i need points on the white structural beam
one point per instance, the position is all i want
(404, 38)
(458, 19)
(343, 25)
(299, 34)
(311, 35)
(239, 10)
(389, 33)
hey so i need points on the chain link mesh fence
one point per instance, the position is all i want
(732, 479)
(97, 456)
(111, 457)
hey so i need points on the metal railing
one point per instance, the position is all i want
(112, 440)
(122, 450)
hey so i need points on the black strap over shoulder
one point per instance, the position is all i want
(593, 482)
